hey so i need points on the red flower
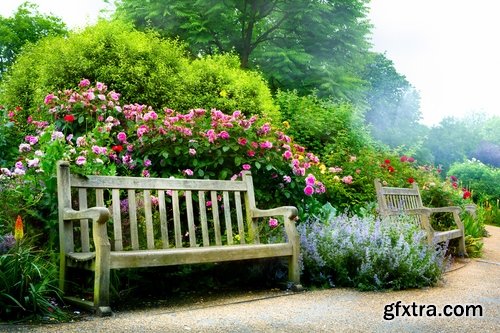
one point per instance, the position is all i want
(467, 195)
(411, 180)
(455, 185)
(387, 161)
(411, 159)
(117, 148)
(390, 168)
(403, 158)
(69, 118)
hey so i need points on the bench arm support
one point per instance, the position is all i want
(99, 217)
(289, 214)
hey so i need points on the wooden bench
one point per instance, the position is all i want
(159, 222)
(393, 201)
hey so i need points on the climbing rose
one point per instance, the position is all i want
(121, 136)
(309, 190)
(347, 179)
(273, 223)
(69, 118)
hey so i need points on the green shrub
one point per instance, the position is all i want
(144, 68)
(321, 125)
(367, 253)
(482, 180)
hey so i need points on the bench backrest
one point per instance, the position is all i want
(396, 199)
(149, 213)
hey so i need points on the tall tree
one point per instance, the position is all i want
(393, 104)
(451, 141)
(304, 45)
(27, 25)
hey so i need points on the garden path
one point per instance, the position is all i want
(470, 281)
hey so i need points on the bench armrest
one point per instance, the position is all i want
(99, 215)
(450, 209)
(289, 212)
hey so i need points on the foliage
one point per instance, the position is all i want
(482, 180)
(143, 67)
(451, 141)
(321, 125)
(350, 179)
(297, 45)
(27, 280)
(26, 26)
(90, 128)
(367, 253)
(490, 212)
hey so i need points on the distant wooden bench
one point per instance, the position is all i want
(395, 201)
(160, 222)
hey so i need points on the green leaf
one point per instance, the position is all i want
(257, 165)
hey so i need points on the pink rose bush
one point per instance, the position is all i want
(106, 137)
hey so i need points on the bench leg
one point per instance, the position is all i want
(101, 284)
(62, 274)
(461, 247)
(294, 273)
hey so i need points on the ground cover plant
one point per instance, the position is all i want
(27, 279)
(367, 253)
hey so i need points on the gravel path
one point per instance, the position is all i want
(470, 282)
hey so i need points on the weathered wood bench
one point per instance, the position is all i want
(393, 201)
(159, 222)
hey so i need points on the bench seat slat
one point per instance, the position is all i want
(179, 256)
(443, 236)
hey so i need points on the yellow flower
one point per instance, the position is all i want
(336, 179)
(322, 168)
(286, 124)
(223, 93)
(18, 230)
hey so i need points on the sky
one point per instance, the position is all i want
(446, 49)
